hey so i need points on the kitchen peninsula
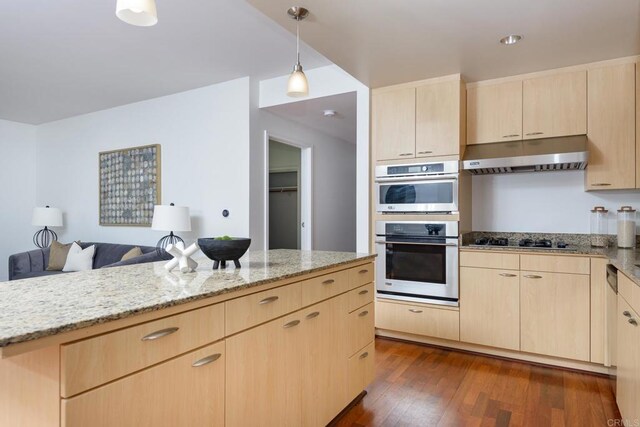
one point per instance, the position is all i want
(287, 340)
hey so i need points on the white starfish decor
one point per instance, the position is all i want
(182, 257)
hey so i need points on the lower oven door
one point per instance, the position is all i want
(418, 271)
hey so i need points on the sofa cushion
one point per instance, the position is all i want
(58, 255)
(79, 259)
(132, 253)
(148, 257)
(35, 274)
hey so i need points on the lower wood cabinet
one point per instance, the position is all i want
(419, 320)
(361, 370)
(555, 315)
(490, 307)
(185, 391)
(628, 360)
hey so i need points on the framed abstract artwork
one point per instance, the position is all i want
(129, 185)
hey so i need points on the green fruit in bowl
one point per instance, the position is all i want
(225, 237)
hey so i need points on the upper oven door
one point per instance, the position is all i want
(416, 195)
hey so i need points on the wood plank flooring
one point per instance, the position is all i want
(418, 385)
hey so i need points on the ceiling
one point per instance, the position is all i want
(387, 42)
(309, 113)
(68, 57)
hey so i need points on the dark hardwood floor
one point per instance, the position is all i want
(419, 385)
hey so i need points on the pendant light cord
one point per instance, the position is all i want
(298, 40)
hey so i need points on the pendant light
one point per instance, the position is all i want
(141, 13)
(298, 85)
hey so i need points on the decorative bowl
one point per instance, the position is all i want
(221, 251)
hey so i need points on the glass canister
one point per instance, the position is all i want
(599, 227)
(626, 227)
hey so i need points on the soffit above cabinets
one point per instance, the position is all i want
(384, 43)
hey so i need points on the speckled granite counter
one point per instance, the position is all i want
(40, 307)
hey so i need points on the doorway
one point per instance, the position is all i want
(285, 168)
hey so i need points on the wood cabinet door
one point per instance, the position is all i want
(554, 314)
(628, 358)
(185, 391)
(494, 113)
(438, 118)
(324, 361)
(612, 128)
(264, 375)
(490, 307)
(637, 125)
(554, 105)
(394, 124)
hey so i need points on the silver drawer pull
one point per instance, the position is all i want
(328, 282)
(363, 292)
(313, 315)
(268, 300)
(206, 360)
(601, 184)
(388, 284)
(511, 136)
(425, 152)
(291, 324)
(364, 313)
(159, 334)
(633, 321)
(405, 154)
(363, 355)
(364, 271)
(532, 276)
(508, 275)
(626, 313)
(414, 310)
(535, 133)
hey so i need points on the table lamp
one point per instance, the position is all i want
(46, 217)
(170, 218)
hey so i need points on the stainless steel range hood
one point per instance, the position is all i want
(535, 155)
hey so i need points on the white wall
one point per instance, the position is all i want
(547, 202)
(18, 195)
(204, 138)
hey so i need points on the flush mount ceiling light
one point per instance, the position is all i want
(141, 13)
(511, 39)
(329, 113)
(298, 85)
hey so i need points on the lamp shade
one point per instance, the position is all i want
(171, 218)
(141, 13)
(298, 85)
(47, 217)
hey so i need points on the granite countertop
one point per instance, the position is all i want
(40, 307)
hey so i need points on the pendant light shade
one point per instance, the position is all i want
(141, 13)
(297, 85)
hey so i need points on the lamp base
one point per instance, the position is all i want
(44, 237)
(161, 246)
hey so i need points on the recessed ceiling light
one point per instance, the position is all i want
(512, 39)
(329, 113)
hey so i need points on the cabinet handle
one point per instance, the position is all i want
(626, 313)
(364, 313)
(363, 355)
(425, 152)
(328, 282)
(535, 133)
(313, 315)
(291, 324)
(601, 184)
(508, 275)
(532, 276)
(413, 310)
(633, 321)
(363, 271)
(159, 334)
(363, 292)
(206, 360)
(268, 300)
(405, 154)
(511, 136)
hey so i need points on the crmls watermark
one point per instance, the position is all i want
(623, 423)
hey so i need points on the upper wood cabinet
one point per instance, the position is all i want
(637, 125)
(394, 124)
(554, 105)
(494, 113)
(423, 120)
(612, 128)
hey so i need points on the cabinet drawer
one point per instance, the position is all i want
(174, 393)
(488, 259)
(360, 297)
(362, 370)
(419, 320)
(92, 362)
(323, 287)
(361, 275)
(630, 291)
(245, 312)
(555, 264)
(361, 328)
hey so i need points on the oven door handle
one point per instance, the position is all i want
(418, 178)
(383, 242)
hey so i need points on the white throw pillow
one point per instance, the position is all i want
(79, 259)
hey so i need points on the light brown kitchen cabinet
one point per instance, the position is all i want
(185, 391)
(439, 121)
(494, 113)
(490, 307)
(441, 322)
(394, 123)
(555, 314)
(637, 125)
(554, 105)
(612, 127)
(628, 362)
(599, 289)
